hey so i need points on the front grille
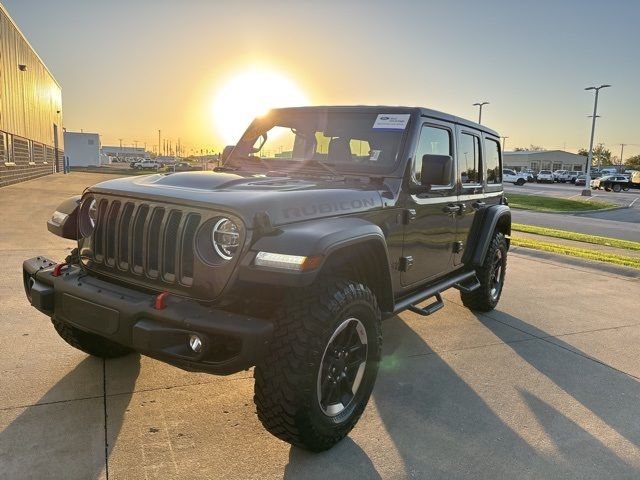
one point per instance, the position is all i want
(149, 243)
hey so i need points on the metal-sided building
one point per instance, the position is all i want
(537, 160)
(31, 143)
(82, 149)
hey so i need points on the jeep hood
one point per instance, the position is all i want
(285, 199)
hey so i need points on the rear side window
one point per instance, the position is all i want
(492, 161)
(469, 159)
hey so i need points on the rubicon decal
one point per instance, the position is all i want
(329, 207)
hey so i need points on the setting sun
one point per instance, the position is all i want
(250, 94)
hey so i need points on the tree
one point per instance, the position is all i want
(530, 148)
(601, 155)
(632, 163)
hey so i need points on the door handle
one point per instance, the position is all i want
(451, 208)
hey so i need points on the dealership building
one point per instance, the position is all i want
(31, 143)
(537, 160)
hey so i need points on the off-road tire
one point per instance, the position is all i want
(88, 342)
(482, 298)
(286, 388)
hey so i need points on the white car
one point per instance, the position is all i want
(559, 175)
(544, 176)
(511, 176)
(147, 165)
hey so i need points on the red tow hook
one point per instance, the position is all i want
(57, 269)
(160, 304)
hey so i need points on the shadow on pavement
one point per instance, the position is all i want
(62, 439)
(442, 428)
(609, 394)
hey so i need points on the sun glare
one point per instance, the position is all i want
(248, 95)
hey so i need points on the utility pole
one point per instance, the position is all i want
(120, 147)
(480, 113)
(587, 184)
(622, 145)
(159, 142)
(504, 142)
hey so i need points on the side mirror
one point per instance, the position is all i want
(226, 152)
(436, 170)
(64, 221)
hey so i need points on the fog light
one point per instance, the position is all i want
(195, 343)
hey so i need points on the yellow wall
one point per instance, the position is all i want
(29, 100)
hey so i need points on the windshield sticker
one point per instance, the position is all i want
(375, 154)
(391, 122)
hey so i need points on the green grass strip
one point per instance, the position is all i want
(578, 237)
(577, 252)
(551, 204)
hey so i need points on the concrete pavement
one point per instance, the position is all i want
(545, 386)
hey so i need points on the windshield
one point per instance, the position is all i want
(335, 142)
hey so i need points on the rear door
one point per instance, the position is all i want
(430, 234)
(479, 162)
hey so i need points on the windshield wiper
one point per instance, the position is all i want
(316, 163)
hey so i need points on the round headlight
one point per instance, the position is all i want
(88, 216)
(226, 238)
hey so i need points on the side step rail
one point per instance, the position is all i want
(429, 309)
(412, 300)
(472, 285)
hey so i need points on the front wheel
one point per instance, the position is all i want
(491, 276)
(617, 188)
(315, 381)
(520, 182)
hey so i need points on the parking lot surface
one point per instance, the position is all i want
(545, 386)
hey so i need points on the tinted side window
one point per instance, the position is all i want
(492, 161)
(469, 159)
(433, 141)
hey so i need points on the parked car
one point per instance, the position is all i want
(528, 174)
(511, 176)
(611, 182)
(544, 176)
(147, 165)
(573, 175)
(580, 180)
(183, 167)
(559, 175)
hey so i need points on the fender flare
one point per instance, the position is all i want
(486, 221)
(315, 237)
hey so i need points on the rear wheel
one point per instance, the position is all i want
(520, 182)
(617, 187)
(88, 342)
(315, 381)
(491, 276)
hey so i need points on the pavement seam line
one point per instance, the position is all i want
(104, 405)
(171, 387)
(475, 347)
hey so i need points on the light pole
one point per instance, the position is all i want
(504, 142)
(480, 113)
(587, 184)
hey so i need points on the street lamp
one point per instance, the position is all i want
(480, 114)
(587, 184)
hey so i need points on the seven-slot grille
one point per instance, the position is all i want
(152, 243)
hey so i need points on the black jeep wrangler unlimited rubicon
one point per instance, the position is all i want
(320, 222)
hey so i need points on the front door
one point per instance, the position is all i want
(430, 226)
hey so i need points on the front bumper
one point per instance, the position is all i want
(231, 342)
